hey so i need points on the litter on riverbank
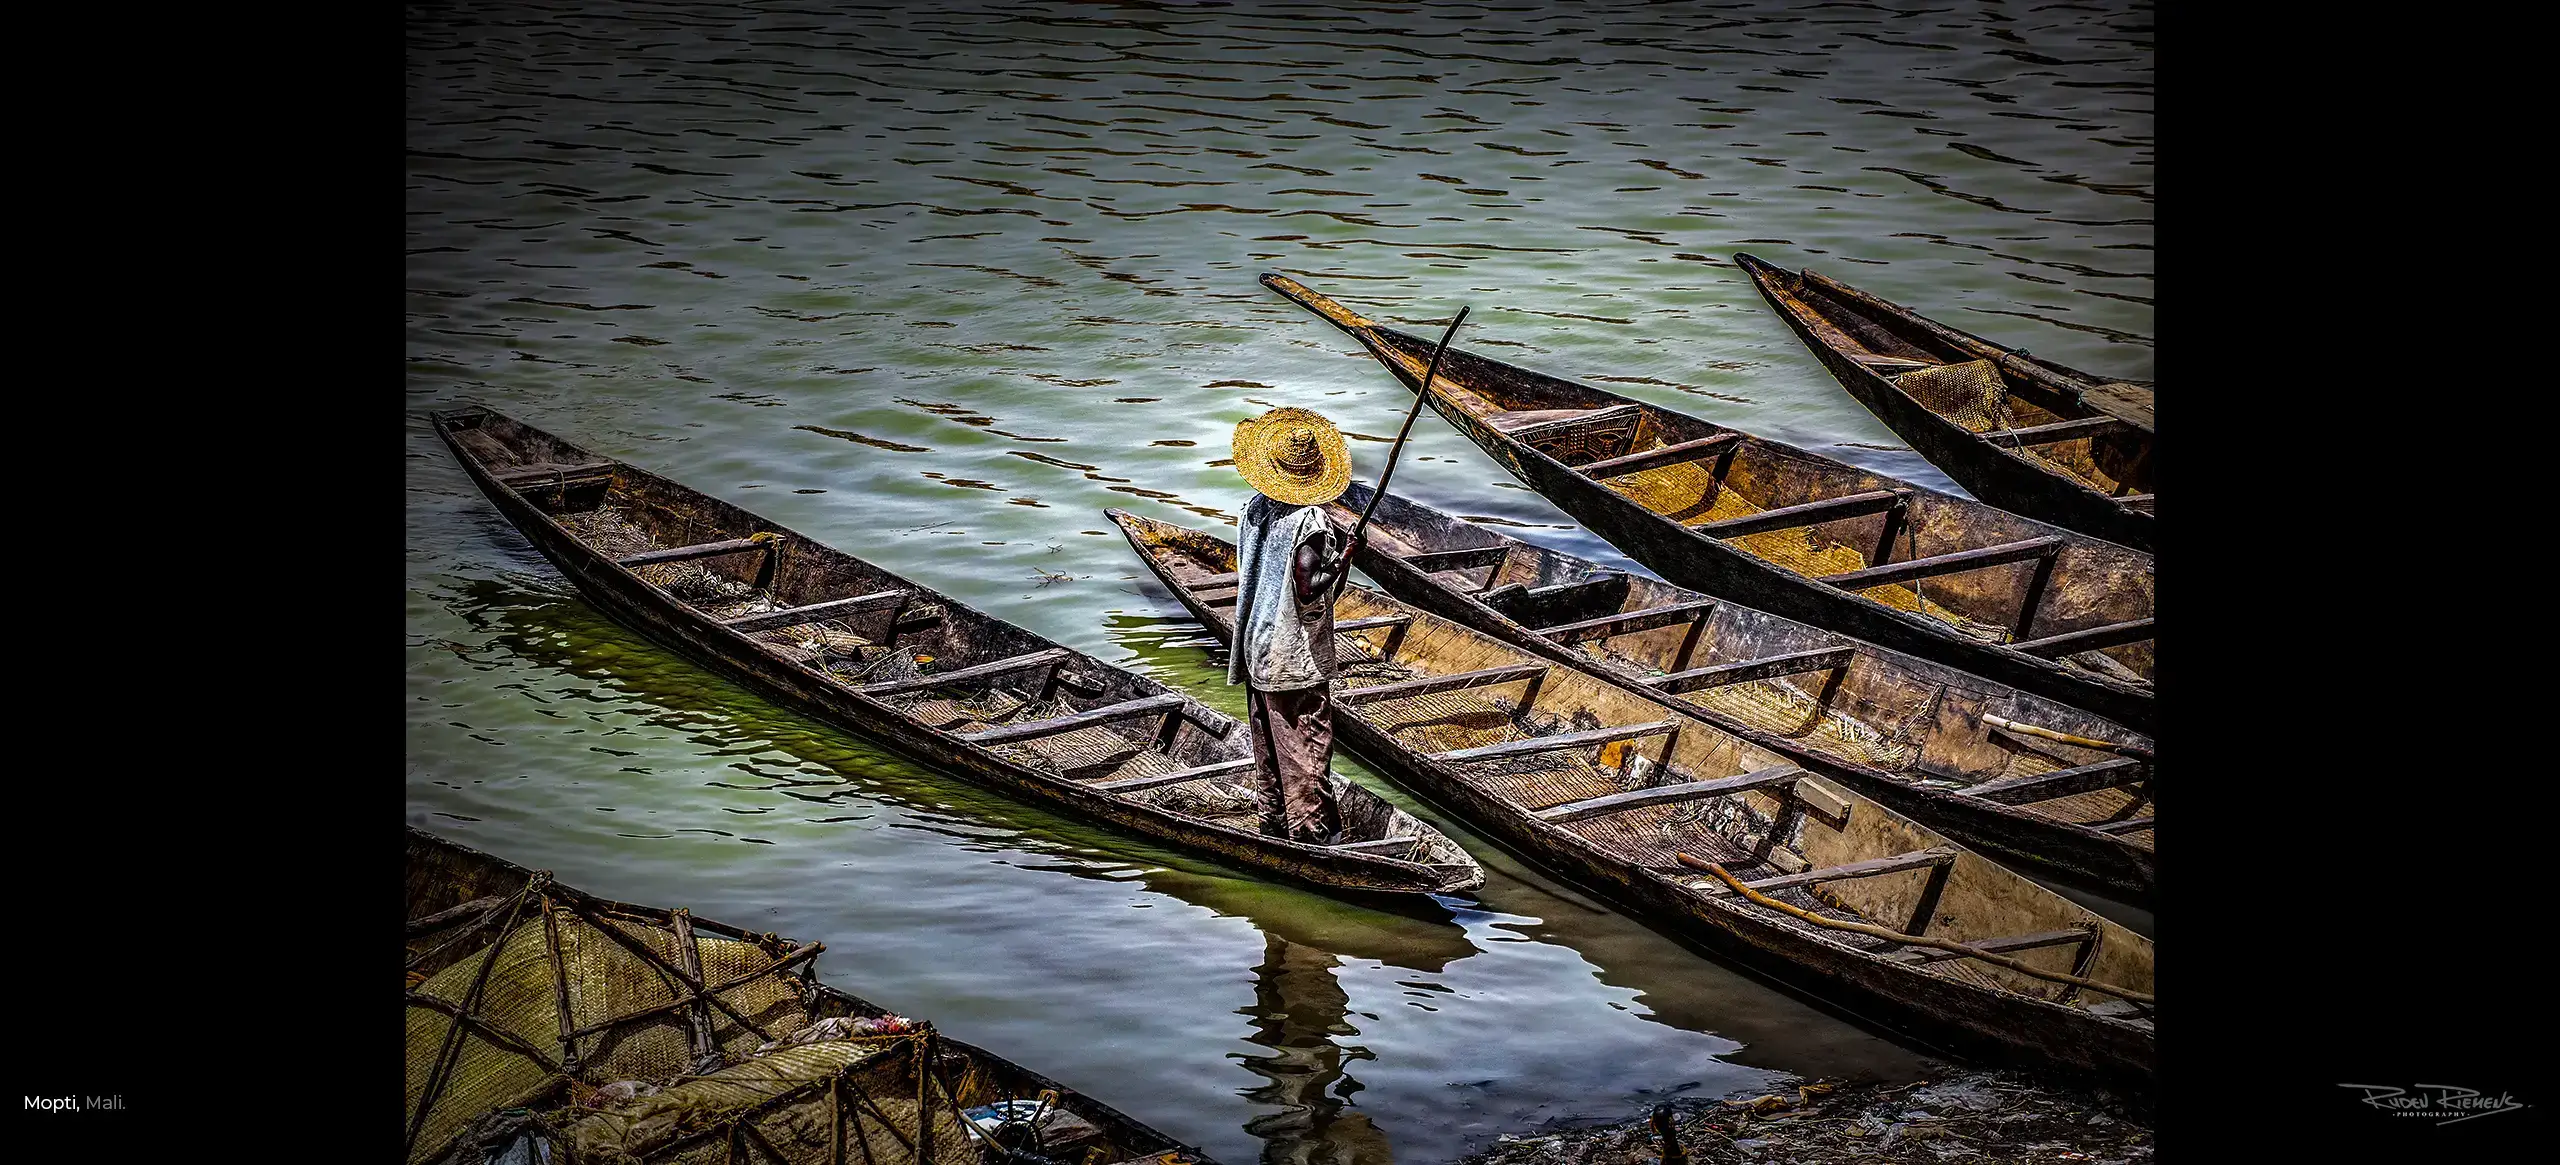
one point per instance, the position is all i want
(1970, 1117)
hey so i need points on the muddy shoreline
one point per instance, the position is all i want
(1953, 1115)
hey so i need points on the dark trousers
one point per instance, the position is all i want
(1292, 753)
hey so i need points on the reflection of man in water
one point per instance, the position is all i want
(1298, 1008)
(1288, 560)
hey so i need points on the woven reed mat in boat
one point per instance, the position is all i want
(1680, 492)
(781, 1104)
(611, 533)
(1779, 707)
(2090, 808)
(604, 980)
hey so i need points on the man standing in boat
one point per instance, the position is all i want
(1289, 559)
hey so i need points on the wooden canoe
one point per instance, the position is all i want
(1907, 732)
(2034, 606)
(2023, 434)
(886, 658)
(1609, 789)
(525, 994)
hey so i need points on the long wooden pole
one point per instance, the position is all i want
(1421, 396)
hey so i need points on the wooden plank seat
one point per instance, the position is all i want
(1628, 622)
(1889, 364)
(1935, 857)
(546, 471)
(1669, 794)
(1752, 670)
(2089, 778)
(701, 550)
(1164, 705)
(1427, 685)
(1195, 773)
(1996, 946)
(2058, 431)
(814, 612)
(967, 675)
(2088, 639)
(1373, 622)
(1856, 505)
(1470, 558)
(2042, 549)
(1589, 738)
(2128, 825)
(1681, 453)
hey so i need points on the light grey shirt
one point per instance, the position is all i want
(1280, 644)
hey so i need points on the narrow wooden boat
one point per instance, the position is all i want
(527, 997)
(2037, 607)
(1628, 796)
(889, 659)
(2023, 434)
(1975, 759)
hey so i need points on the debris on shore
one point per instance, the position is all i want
(1960, 1117)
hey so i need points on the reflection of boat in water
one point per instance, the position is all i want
(1298, 1009)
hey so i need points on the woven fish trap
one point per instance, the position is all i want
(1688, 494)
(516, 1023)
(1781, 708)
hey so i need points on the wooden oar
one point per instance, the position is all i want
(1421, 396)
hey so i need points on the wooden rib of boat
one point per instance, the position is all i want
(1612, 789)
(892, 660)
(2023, 434)
(2034, 606)
(1973, 758)
(528, 995)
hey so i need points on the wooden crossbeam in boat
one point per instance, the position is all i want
(1561, 742)
(814, 612)
(1997, 946)
(1200, 772)
(2057, 432)
(2044, 548)
(1381, 843)
(1595, 419)
(2134, 501)
(1888, 364)
(1054, 655)
(1667, 794)
(2088, 639)
(703, 550)
(1751, 670)
(1373, 622)
(2106, 774)
(1854, 505)
(1108, 713)
(540, 473)
(1685, 451)
(1471, 558)
(2128, 825)
(1934, 856)
(1428, 685)
(1628, 622)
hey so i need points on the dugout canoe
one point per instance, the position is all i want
(1611, 790)
(2024, 434)
(2035, 606)
(526, 994)
(1972, 758)
(899, 663)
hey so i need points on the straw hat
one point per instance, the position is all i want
(1293, 456)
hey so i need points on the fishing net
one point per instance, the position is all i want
(1690, 494)
(1971, 394)
(793, 1104)
(1974, 395)
(509, 1050)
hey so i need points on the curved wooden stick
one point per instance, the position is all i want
(1759, 899)
(2135, 751)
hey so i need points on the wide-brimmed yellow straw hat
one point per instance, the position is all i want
(1293, 456)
